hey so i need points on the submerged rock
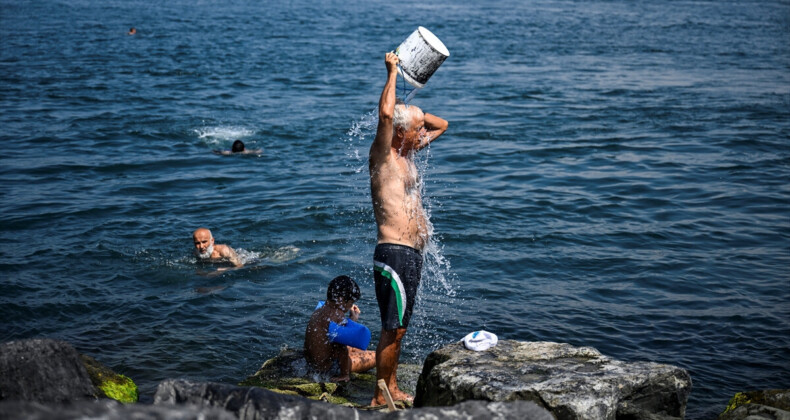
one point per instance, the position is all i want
(772, 404)
(287, 374)
(43, 370)
(248, 403)
(571, 382)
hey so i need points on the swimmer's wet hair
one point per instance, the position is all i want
(238, 146)
(402, 116)
(341, 289)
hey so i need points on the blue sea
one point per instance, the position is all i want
(616, 174)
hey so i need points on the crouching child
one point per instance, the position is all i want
(333, 342)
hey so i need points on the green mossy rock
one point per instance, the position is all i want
(776, 398)
(111, 384)
(287, 374)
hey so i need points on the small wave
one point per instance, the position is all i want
(222, 134)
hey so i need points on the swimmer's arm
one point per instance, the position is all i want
(230, 254)
(222, 152)
(435, 127)
(380, 148)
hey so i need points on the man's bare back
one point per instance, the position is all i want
(319, 351)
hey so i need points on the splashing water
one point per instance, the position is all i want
(410, 95)
(268, 256)
(360, 130)
(222, 134)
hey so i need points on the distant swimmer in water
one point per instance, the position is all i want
(402, 224)
(206, 249)
(238, 148)
(132, 31)
(333, 343)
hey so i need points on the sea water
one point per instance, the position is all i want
(615, 175)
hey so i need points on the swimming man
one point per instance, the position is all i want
(238, 147)
(206, 249)
(402, 224)
(320, 352)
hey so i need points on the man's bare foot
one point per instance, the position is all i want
(399, 395)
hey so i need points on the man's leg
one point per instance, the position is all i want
(387, 355)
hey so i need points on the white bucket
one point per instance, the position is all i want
(420, 55)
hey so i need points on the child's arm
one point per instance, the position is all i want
(340, 352)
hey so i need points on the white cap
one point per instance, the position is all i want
(480, 340)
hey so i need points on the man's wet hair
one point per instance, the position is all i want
(238, 146)
(341, 289)
(402, 116)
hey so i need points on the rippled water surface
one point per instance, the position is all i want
(615, 175)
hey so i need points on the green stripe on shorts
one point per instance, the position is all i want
(396, 285)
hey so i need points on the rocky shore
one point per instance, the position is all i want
(48, 379)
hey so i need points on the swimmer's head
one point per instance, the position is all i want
(408, 125)
(342, 289)
(238, 146)
(204, 243)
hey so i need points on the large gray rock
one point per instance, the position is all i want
(107, 409)
(248, 403)
(43, 370)
(571, 382)
(475, 410)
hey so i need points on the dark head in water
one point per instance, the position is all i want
(238, 146)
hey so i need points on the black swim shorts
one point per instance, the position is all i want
(396, 270)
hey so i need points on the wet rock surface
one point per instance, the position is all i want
(257, 403)
(287, 374)
(571, 382)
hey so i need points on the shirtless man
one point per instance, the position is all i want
(321, 352)
(205, 249)
(402, 224)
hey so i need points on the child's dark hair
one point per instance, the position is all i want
(238, 146)
(341, 289)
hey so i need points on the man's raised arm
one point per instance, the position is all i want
(380, 148)
(434, 127)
